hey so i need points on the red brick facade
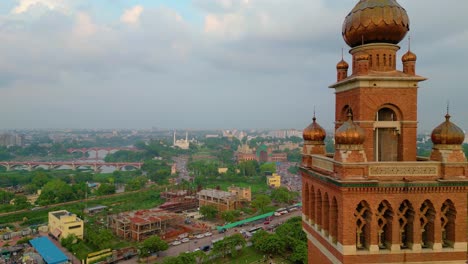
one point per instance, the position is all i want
(375, 201)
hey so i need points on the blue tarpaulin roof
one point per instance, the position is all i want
(48, 251)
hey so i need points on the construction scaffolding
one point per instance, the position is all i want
(139, 225)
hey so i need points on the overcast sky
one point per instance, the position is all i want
(204, 63)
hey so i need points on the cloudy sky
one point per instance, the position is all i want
(204, 63)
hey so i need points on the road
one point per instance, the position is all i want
(197, 243)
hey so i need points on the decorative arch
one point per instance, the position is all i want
(312, 204)
(387, 133)
(384, 223)
(406, 222)
(334, 220)
(448, 216)
(306, 201)
(344, 113)
(318, 204)
(326, 214)
(427, 216)
(363, 217)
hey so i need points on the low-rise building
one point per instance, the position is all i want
(63, 223)
(222, 200)
(274, 180)
(243, 194)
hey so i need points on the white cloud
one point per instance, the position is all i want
(84, 26)
(132, 15)
(24, 5)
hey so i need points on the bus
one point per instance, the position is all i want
(255, 229)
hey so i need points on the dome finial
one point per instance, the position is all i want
(313, 118)
(350, 114)
(447, 116)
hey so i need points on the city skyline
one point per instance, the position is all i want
(203, 64)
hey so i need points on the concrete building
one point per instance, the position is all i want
(63, 223)
(139, 225)
(222, 200)
(274, 180)
(242, 194)
(374, 200)
(181, 143)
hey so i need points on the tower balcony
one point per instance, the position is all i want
(421, 170)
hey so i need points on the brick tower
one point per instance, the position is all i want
(374, 200)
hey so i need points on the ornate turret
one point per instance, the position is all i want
(342, 70)
(349, 138)
(375, 21)
(447, 139)
(409, 63)
(314, 136)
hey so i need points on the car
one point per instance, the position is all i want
(200, 236)
(176, 242)
(276, 214)
(195, 250)
(208, 234)
(266, 222)
(205, 248)
(284, 212)
(185, 240)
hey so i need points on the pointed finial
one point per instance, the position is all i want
(447, 116)
(342, 56)
(313, 118)
(350, 114)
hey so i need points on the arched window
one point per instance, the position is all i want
(384, 221)
(427, 213)
(312, 205)
(334, 220)
(448, 216)
(326, 214)
(363, 219)
(318, 216)
(406, 219)
(386, 135)
(390, 60)
(306, 201)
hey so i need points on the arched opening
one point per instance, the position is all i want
(318, 216)
(406, 220)
(387, 136)
(306, 201)
(448, 216)
(344, 113)
(427, 213)
(384, 222)
(326, 214)
(334, 221)
(312, 204)
(363, 219)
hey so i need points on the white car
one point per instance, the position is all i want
(185, 240)
(177, 242)
(200, 236)
(208, 234)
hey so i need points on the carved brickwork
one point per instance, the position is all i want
(403, 170)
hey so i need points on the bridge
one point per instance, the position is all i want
(74, 165)
(97, 149)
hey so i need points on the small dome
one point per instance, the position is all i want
(409, 56)
(349, 133)
(375, 21)
(448, 133)
(314, 132)
(342, 65)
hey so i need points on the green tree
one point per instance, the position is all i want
(208, 211)
(268, 243)
(260, 202)
(267, 167)
(21, 202)
(283, 195)
(230, 215)
(99, 239)
(151, 245)
(105, 189)
(56, 191)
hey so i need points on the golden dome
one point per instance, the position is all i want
(448, 133)
(375, 21)
(349, 133)
(409, 56)
(314, 132)
(342, 65)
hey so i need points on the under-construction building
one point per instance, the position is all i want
(222, 200)
(178, 201)
(139, 225)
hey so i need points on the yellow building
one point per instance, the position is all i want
(63, 223)
(274, 180)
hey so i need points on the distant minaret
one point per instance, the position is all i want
(186, 136)
(174, 138)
